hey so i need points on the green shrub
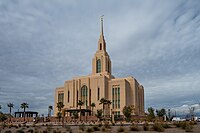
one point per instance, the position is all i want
(183, 125)
(146, 127)
(82, 127)
(100, 125)
(68, 128)
(30, 130)
(134, 128)
(192, 122)
(158, 127)
(120, 129)
(188, 127)
(19, 125)
(20, 131)
(103, 129)
(106, 125)
(96, 128)
(45, 131)
(89, 130)
(8, 131)
(165, 125)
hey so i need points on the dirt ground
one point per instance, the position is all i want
(76, 129)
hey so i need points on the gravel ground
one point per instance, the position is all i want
(75, 129)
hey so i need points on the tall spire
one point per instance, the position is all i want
(102, 25)
(101, 43)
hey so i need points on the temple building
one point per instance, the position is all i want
(101, 84)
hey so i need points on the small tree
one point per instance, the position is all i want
(2, 117)
(151, 114)
(75, 114)
(60, 106)
(50, 108)
(24, 106)
(99, 114)
(127, 111)
(80, 103)
(93, 105)
(10, 105)
(105, 102)
(161, 112)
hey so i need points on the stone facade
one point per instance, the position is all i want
(101, 84)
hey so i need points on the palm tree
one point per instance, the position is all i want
(0, 106)
(93, 105)
(108, 103)
(103, 101)
(49, 110)
(60, 106)
(80, 103)
(24, 106)
(10, 105)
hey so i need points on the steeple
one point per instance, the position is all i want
(101, 42)
(101, 63)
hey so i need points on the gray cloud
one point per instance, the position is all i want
(44, 43)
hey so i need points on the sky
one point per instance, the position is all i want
(44, 43)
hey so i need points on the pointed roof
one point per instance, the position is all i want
(101, 43)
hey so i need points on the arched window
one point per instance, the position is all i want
(98, 66)
(84, 94)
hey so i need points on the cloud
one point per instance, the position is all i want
(44, 43)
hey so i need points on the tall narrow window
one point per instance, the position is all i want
(61, 97)
(77, 98)
(98, 93)
(116, 97)
(100, 46)
(108, 66)
(68, 96)
(84, 91)
(98, 66)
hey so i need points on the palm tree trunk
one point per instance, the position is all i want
(103, 110)
(80, 113)
(10, 114)
(24, 114)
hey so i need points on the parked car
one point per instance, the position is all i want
(198, 119)
(178, 119)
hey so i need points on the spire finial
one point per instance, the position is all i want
(101, 24)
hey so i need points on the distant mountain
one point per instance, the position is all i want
(186, 110)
